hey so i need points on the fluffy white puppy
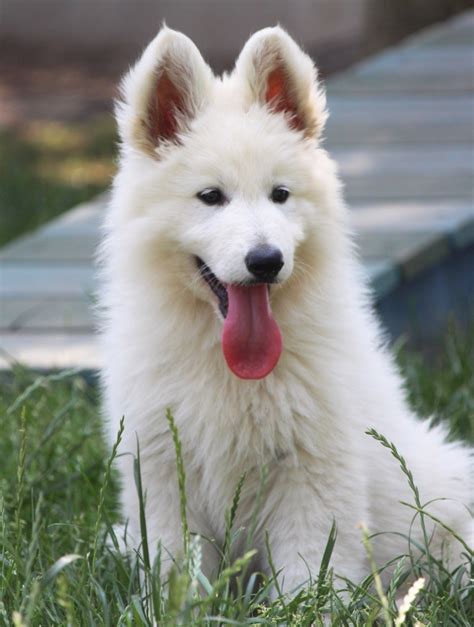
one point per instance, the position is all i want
(234, 297)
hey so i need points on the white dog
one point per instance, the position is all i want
(234, 297)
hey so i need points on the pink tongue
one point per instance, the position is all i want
(251, 339)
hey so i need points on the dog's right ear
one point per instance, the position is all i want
(163, 92)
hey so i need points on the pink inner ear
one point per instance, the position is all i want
(166, 104)
(279, 97)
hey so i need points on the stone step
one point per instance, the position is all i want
(43, 313)
(458, 31)
(409, 122)
(414, 70)
(435, 172)
(38, 279)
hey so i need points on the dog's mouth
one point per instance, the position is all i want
(251, 339)
(218, 288)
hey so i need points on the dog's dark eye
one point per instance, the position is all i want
(211, 196)
(280, 194)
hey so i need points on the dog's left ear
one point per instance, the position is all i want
(280, 76)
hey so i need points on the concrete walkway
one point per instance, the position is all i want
(401, 127)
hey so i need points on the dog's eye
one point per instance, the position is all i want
(280, 194)
(211, 196)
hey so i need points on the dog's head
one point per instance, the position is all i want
(223, 176)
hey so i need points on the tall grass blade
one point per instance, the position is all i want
(414, 488)
(137, 473)
(230, 520)
(181, 478)
(103, 490)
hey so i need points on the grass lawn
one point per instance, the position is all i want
(57, 503)
(48, 167)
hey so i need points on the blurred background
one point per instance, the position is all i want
(60, 61)
(400, 85)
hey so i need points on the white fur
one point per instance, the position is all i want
(161, 328)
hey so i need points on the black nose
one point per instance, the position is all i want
(264, 262)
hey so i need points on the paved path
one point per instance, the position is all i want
(401, 128)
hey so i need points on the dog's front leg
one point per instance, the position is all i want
(299, 514)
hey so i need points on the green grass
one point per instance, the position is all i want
(57, 506)
(441, 382)
(48, 167)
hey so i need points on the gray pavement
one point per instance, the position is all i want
(401, 127)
